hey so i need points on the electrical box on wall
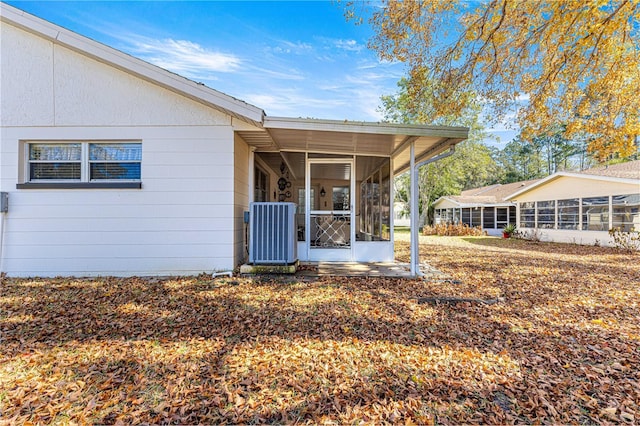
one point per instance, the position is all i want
(4, 202)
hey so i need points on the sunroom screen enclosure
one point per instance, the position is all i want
(340, 174)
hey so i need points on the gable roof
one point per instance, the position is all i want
(124, 62)
(269, 134)
(628, 172)
(488, 195)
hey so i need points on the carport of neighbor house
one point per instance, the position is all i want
(339, 175)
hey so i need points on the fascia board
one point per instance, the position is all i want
(559, 175)
(365, 127)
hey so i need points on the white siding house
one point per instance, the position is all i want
(485, 207)
(114, 166)
(581, 207)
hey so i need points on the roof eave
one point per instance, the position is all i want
(559, 175)
(365, 127)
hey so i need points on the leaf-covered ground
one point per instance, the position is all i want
(563, 346)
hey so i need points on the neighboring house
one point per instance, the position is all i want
(484, 207)
(581, 207)
(400, 215)
(117, 167)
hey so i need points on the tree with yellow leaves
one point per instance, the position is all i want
(576, 62)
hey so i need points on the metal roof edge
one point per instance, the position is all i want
(125, 62)
(365, 127)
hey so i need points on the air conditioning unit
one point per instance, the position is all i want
(272, 233)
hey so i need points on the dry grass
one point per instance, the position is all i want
(562, 348)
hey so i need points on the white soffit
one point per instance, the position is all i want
(350, 137)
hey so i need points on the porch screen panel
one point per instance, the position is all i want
(546, 214)
(375, 205)
(340, 198)
(385, 201)
(528, 214)
(301, 210)
(503, 216)
(488, 219)
(375, 198)
(512, 214)
(569, 214)
(466, 216)
(626, 213)
(476, 215)
(595, 214)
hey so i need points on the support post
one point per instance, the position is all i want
(415, 211)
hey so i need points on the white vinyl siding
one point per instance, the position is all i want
(179, 223)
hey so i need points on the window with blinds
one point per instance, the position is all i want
(84, 161)
(55, 161)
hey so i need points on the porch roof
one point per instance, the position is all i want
(352, 137)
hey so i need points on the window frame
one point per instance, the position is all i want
(489, 217)
(85, 180)
(602, 209)
(546, 214)
(568, 214)
(260, 192)
(528, 214)
(623, 207)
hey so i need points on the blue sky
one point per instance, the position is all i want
(294, 59)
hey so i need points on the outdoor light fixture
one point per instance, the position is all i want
(322, 192)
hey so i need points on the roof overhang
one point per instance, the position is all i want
(560, 175)
(471, 205)
(354, 138)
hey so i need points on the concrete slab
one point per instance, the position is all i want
(268, 269)
(360, 269)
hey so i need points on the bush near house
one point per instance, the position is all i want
(452, 230)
